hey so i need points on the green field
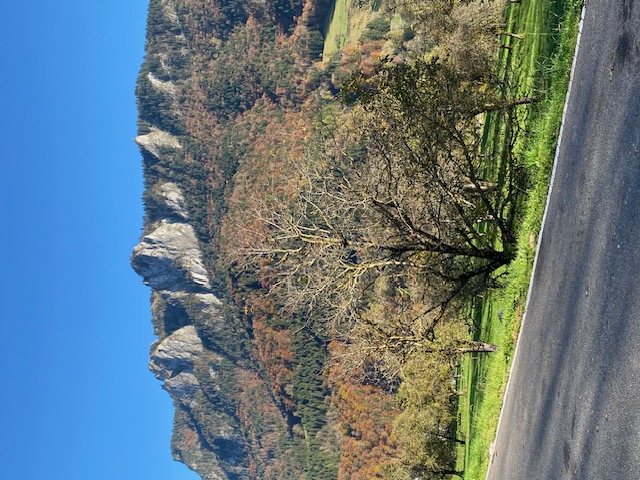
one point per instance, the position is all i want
(538, 64)
(337, 29)
(346, 24)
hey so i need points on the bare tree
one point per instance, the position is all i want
(395, 200)
(393, 214)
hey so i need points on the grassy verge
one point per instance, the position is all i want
(540, 63)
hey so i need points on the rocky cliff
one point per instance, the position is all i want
(228, 424)
(225, 88)
(169, 260)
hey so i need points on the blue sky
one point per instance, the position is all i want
(77, 399)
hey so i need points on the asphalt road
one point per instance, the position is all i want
(573, 406)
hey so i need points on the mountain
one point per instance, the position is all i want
(226, 87)
(317, 210)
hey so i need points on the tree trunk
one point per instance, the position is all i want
(493, 107)
(477, 347)
(452, 439)
(519, 36)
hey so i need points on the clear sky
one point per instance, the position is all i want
(76, 397)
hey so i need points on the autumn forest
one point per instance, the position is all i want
(336, 173)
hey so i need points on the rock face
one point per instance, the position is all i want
(173, 361)
(196, 368)
(157, 141)
(168, 88)
(169, 258)
(186, 315)
(173, 198)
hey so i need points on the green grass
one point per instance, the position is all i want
(337, 29)
(541, 62)
(346, 25)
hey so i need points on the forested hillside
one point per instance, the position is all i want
(319, 209)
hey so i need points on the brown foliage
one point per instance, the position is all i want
(366, 413)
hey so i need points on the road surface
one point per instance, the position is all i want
(572, 409)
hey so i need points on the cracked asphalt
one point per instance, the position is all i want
(573, 406)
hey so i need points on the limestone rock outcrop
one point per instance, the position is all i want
(173, 198)
(169, 258)
(168, 88)
(157, 141)
(173, 361)
(170, 261)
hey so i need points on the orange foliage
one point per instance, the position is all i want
(366, 414)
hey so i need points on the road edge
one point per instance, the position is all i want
(540, 237)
